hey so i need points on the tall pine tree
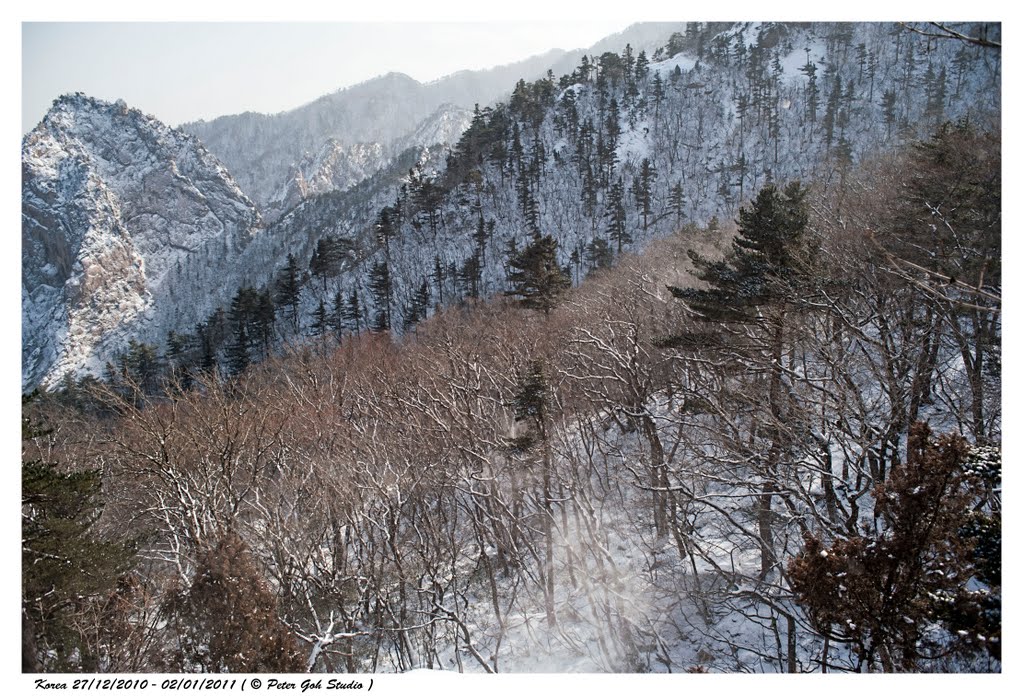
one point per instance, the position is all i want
(535, 276)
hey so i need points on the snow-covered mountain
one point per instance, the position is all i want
(133, 229)
(129, 228)
(624, 148)
(270, 155)
(385, 114)
(337, 166)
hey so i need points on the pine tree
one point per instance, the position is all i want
(531, 405)
(481, 236)
(354, 312)
(327, 258)
(418, 306)
(288, 286)
(140, 365)
(386, 228)
(179, 358)
(764, 273)
(264, 319)
(613, 129)
(207, 348)
(439, 275)
(832, 111)
(811, 71)
(763, 265)
(321, 321)
(380, 286)
(535, 276)
(645, 188)
(599, 253)
(658, 92)
(935, 103)
(677, 201)
(615, 211)
(238, 352)
(889, 109)
(470, 276)
(67, 569)
(337, 315)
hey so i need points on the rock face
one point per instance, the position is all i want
(129, 228)
(132, 229)
(337, 166)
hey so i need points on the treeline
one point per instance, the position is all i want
(644, 473)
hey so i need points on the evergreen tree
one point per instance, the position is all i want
(658, 93)
(677, 201)
(140, 365)
(321, 324)
(238, 352)
(481, 236)
(418, 307)
(645, 188)
(439, 275)
(354, 312)
(67, 569)
(764, 273)
(811, 71)
(615, 212)
(380, 287)
(288, 286)
(386, 227)
(327, 258)
(642, 66)
(179, 358)
(470, 276)
(832, 111)
(531, 405)
(207, 348)
(243, 306)
(337, 315)
(263, 320)
(935, 102)
(428, 196)
(613, 129)
(535, 276)
(764, 264)
(889, 109)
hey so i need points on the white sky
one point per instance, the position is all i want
(185, 71)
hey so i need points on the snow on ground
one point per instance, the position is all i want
(680, 60)
(793, 63)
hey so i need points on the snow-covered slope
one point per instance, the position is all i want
(736, 107)
(699, 127)
(128, 228)
(270, 155)
(389, 113)
(337, 166)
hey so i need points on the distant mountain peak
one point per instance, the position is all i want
(119, 212)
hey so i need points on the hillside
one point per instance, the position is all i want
(680, 361)
(626, 149)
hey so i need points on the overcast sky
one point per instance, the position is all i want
(185, 71)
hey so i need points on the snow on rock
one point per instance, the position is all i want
(120, 214)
